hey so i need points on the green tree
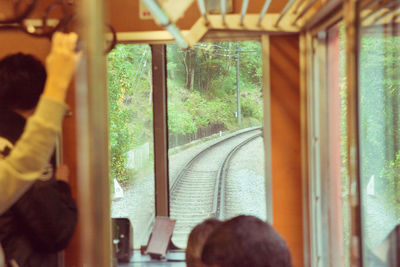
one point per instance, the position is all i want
(129, 95)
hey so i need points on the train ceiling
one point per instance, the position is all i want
(192, 20)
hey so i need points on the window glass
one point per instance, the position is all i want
(314, 115)
(204, 83)
(379, 125)
(131, 137)
(329, 196)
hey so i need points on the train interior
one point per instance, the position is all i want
(186, 110)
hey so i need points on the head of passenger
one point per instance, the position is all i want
(246, 241)
(22, 79)
(196, 241)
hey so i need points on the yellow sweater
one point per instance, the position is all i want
(31, 153)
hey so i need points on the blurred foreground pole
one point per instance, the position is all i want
(92, 139)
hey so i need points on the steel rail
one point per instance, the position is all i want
(219, 198)
(190, 162)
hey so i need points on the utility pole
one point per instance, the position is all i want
(239, 116)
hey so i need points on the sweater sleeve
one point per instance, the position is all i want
(31, 153)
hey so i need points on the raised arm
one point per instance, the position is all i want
(32, 151)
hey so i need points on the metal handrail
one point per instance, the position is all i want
(203, 10)
(245, 4)
(18, 22)
(19, 18)
(304, 11)
(284, 12)
(264, 11)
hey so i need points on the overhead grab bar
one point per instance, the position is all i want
(284, 12)
(46, 27)
(391, 8)
(304, 11)
(395, 18)
(223, 10)
(18, 18)
(264, 11)
(245, 4)
(299, 4)
(165, 22)
(381, 7)
(45, 30)
(203, 10)
(383, 15)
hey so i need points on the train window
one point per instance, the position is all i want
(317, 238)
(131, 137)
(338, 184)
(379, 130)
(216, 157)
(329, 200)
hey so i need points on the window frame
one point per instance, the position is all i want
(315, 32)
(160, 123)
(349, 12)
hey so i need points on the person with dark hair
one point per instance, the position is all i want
(32, 151)
(22, 82)
(197, 238)
(42, 221)
(246, 241)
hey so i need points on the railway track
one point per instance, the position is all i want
(198, 191)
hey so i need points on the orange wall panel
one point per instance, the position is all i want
(13, 42)
(285, 139)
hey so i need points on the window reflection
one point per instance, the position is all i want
(328, 151)
(339, 202)
(379, 126)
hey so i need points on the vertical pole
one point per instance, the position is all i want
(266, 93)
(351, 21)
(223, 10)
(238, 85)
(160, 120)
(92, 147)
(305, 53)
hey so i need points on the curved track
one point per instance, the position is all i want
(197, 191)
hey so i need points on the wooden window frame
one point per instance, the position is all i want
(160, 121)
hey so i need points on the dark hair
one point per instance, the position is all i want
(22, 79)
(246, 241)
(196, 240)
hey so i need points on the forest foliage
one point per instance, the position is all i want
(201, 92)
(380, 117)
